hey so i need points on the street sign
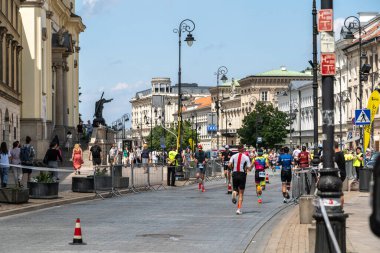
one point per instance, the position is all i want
(362, 117)
(259, 139)
(211, 118)
(212, 128)
(328, 64)
(325, 20)
(327, 42)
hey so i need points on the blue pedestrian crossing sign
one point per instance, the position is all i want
(362, 117)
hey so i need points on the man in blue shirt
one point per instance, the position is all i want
(286, 161)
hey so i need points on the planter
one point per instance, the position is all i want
(103, 182)
(43, 190)
(14, 195)
(82, 184)
(122, 182)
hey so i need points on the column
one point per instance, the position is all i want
(18, 60)
(9, 39)
(64, 93)
(3, 31)
(13, 64)
(59, 94)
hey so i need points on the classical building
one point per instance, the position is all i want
(158, 105)
(50, 73)
(10, 63)
(237, 99)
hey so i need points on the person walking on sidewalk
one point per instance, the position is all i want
(5, 158)
(226, 155)
(15, 159)
(145, 156)
(286, 161)
(172, 164)
(52, 156)
(77, 158)
(200, 161)
(261, 163)
(126, 157)
(27, 154)
(358, 161)
(240, 165)
(341, 163)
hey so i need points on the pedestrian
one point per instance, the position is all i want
(132, 157)
(126, 157)
(154, 156)
(200, 161)
(52, 156)
(172, 164)
(112, 154)
(138, 156)
(80, 131)
(27, 154)
(145, 156)
(226, 156)
(286, 161)
(261, 163)
(358, 161)
(89, 130)
(77, 158)
(240, 165)
(69, 140)
(15, 159)
(95, 154)
(5, 158)
(341, 163)
(296, 152)
(304, 158)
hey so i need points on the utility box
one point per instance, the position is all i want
(306, 209)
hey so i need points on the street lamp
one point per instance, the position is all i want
(220, 75)
(186, 25)
(194, 115)
(292, 113)
(352, 24)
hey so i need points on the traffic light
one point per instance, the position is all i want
(374, 219)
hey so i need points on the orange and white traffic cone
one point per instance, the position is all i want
(229, 189)
(77, 240)
(267, 178)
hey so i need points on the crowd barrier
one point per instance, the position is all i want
(303, 182)
(214, 171)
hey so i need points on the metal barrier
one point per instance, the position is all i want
(146, 176)
(303, 182)
(214, 171)
(104, 180)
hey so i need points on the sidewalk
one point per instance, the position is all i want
(66, 196)
(291, 236)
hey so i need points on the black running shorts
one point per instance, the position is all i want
(286, 176)
(238, 180)
(258, 179)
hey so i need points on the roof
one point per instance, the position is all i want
(300, 84)
(283, 72)
(228, 84)
(198, 103)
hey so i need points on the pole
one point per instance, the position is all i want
(179, 116)
(196, 130)
(290, 114)
(329, 185)
(226, 130)
(192, 133)
(299, 116)
(315, 85)
(217, 109)
(360, 81)
(151, 130)
(340, 109)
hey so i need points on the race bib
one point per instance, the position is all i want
(200, 166)
(261, 173)
(225, 163)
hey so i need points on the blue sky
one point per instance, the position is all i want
(127, 42)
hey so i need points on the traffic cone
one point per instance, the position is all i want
(229, 188)
(267, 178)
(77, 240)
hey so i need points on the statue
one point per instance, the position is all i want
(99, 105)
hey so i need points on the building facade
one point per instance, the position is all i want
(159, 105)
(50, 70)
(10, 66)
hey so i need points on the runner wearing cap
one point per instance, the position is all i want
(200, 161)
(240, 164)
(226, 155)
(261, 163)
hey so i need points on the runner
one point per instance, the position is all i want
(304, 158)
(286, 161)
(261, 163)
(226, 155)
(240, 164)
(200, 160)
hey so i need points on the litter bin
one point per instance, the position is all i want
(365, 175)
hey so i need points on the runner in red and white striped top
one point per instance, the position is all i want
(240, 164)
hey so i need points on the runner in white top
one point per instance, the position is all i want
(240, 164)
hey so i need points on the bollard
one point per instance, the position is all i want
(306, 209)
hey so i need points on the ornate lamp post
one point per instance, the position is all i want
(194, 115)
(220, 75)
(186, 25)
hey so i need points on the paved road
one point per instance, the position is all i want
(175, 220)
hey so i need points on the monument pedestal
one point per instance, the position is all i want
(104, 138)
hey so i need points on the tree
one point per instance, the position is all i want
(170, 140)
(267, 122)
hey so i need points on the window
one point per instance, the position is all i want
(264, 96)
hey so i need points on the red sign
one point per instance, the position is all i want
(325, 20)
(328, 64)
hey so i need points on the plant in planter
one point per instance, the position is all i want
(14, 195)
(43, 186)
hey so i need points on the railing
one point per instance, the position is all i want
(303, 182)
(214, 171)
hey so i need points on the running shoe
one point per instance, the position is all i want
(260, 201)
(234, 197)
(287, 195)
(203, 189)
(285, 201)
(199, 186)
(239, 212)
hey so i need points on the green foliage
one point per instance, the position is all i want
(267, 122)
(44, 177)
(170, 139)
(100, 172)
